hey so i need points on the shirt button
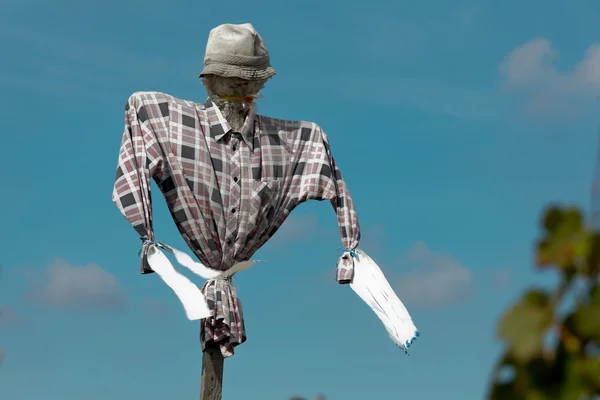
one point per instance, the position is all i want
(235, 179)
(234, 148)
(233, 210)
(229, 241)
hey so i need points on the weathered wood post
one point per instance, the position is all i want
(211, 386)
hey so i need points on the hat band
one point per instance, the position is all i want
(232, 59)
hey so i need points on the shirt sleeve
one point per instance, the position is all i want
(346, 213)
(139, 161)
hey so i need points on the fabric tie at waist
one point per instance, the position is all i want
(192, 298)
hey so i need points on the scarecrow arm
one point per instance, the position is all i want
(346, 216)
(139, 161)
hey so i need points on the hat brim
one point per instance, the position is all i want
(236, 71)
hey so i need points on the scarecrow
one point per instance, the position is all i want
(230, 178)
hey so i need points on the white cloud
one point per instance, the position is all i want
(528, 76)
(437, 279)
(530, 69)
(72, 287)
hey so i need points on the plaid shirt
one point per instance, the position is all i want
(228, 192)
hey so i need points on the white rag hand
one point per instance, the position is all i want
(370, 284)
(190, 296)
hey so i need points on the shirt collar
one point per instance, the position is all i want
(219, 126)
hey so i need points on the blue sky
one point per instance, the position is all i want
(453, 123)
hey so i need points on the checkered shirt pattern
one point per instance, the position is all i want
(228, 192)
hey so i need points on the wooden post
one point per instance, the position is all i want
(211, 387)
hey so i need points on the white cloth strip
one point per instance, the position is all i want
(190, 296)
(372, 287)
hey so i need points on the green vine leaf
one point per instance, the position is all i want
(524, 325)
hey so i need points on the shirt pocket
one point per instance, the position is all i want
(264, 201)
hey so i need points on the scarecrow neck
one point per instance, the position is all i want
(234, 111)
(229, 94)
